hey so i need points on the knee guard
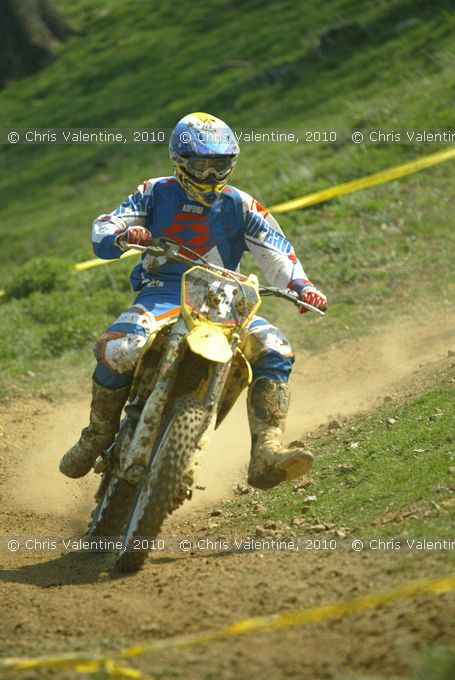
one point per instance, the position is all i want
(118, 351)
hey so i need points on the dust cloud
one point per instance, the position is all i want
(40, 487)
(340, 382)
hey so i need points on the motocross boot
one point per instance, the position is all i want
(268, 404)
(105, 411)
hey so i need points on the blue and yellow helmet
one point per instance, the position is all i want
(203, 151)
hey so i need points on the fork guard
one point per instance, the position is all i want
(138, 452)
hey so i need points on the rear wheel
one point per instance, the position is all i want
(168, 481)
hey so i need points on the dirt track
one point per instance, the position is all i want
(52, 602)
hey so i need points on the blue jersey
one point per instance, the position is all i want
(222, 232)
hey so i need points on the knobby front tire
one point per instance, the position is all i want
(164, 487)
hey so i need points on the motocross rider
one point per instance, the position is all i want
(197, 208)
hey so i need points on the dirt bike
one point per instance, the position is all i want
(189, 375)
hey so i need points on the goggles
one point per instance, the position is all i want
(212, 166)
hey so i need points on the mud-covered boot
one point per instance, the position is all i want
(268, 404)
(105, 411)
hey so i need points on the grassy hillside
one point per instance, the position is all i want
(345, 64)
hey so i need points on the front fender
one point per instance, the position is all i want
(209, 342)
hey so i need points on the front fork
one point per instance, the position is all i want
(217, 381)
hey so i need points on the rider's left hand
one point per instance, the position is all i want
(314, 297)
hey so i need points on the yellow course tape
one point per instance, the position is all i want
(97, 262)
(320, 196)
(364, 182)
(91, 663)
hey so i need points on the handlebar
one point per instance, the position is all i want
(163, 247)
(290, 296)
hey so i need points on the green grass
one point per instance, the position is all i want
(436, 664)
(385, 475)
(57, 328)
(143, 64)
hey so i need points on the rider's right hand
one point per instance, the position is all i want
(134, 236)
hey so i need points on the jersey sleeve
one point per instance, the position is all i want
(271, 249)
(134, 211)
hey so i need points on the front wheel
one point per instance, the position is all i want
(114, 496)
(168, 480)
(108, 517)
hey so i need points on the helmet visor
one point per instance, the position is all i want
(212, 166)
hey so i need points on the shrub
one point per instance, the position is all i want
(65, 336)
(42, 274)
